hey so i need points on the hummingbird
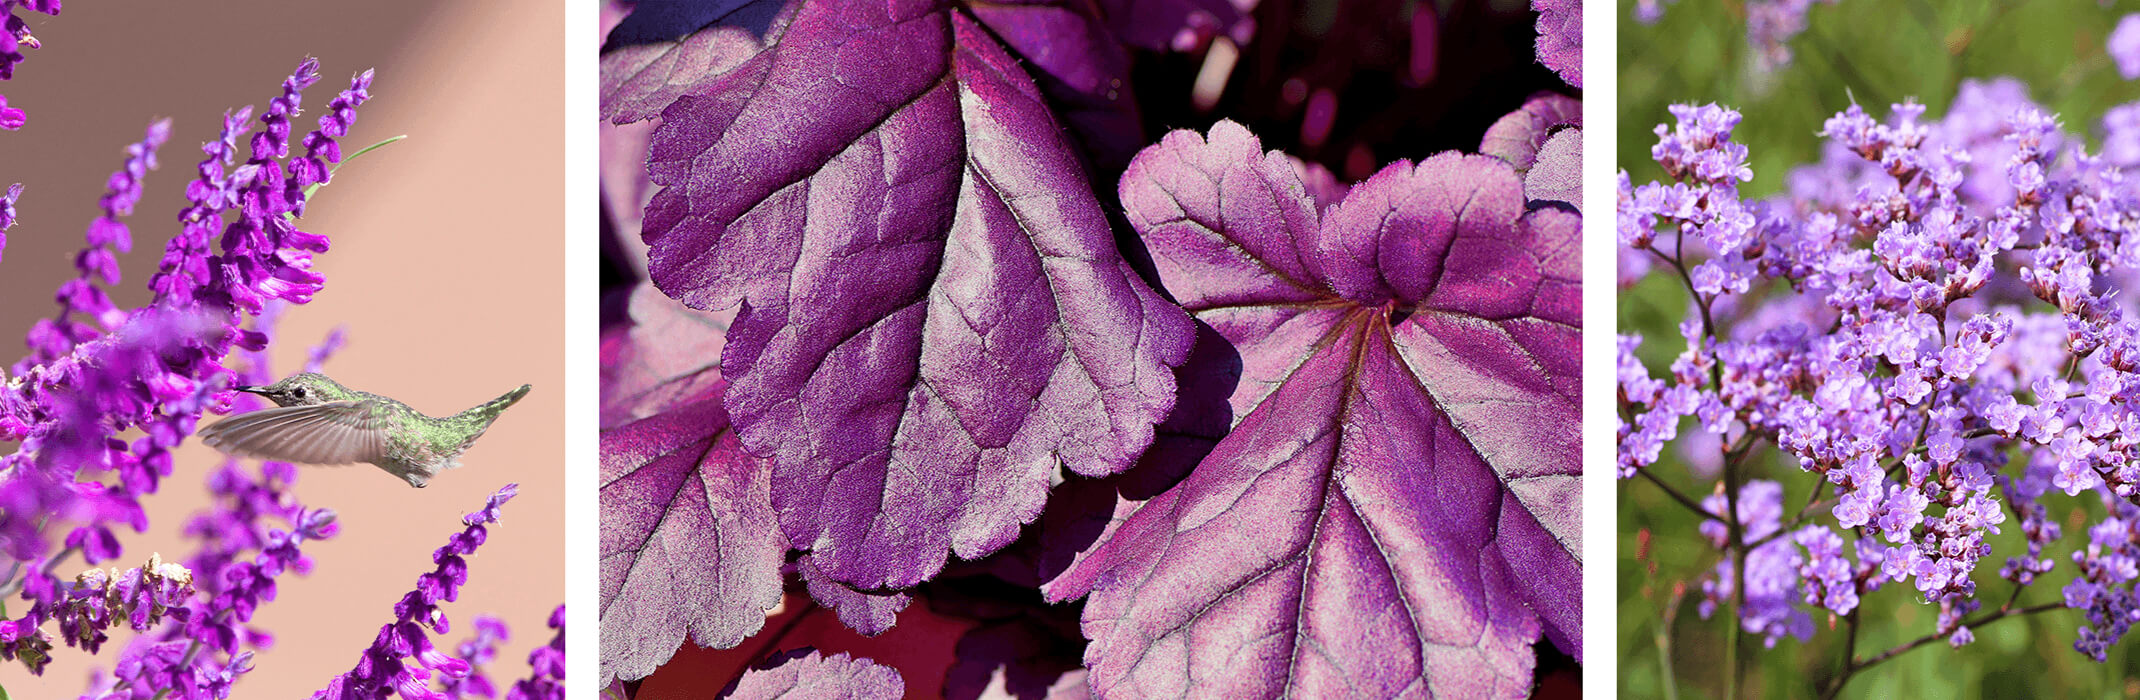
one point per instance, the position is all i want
(319, 421)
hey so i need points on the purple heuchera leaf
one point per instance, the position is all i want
(1558, 174)
(667, 354)
(641, 75)
(689, 539)
(935, 320)
(1560, 37)
(653, 21)
(1323, 185)
(1397, 510)
(869, 614)
(804, 674)
(1517, 136)
(1080, 67)
(665, 50)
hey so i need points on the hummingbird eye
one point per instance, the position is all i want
(298, 393)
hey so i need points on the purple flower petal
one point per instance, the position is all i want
(1399, 504)
(2124, 46)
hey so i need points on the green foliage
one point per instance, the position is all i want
(1879, 52)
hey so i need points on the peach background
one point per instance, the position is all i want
(447, 269)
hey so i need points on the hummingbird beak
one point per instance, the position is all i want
(261, 390)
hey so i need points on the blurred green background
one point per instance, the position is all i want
(1878, 52)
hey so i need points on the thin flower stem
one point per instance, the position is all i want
(1736, 545)
(15, 583)
(1731, 647)
(315, 187)
(1708, 324)
(1804, 512)
(193, 650)
(1850, 649)
(12, 584)
(1737, 549)
(1663, 639)
(1733, 629)
(1979, 621)
(1683, 499)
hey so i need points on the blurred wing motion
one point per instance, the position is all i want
(342, 432)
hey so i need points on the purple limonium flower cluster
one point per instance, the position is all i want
(546, 664)
(1929, 322)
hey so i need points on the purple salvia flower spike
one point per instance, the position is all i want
(478, 651)
(402, 657)
(546, 666)
(7, 214)
(322, 149)
(15, 35)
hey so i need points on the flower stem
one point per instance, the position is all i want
(1663, 639)
(1683, 499)
(353, 156)
(2003, 613)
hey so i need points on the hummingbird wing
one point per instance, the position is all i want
(339, 432)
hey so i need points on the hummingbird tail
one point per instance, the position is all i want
(510, 397)
(489, 410)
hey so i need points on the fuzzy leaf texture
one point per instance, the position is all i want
(689, 540)
(804, 674)
(1560, 37)
(1543, 140)
(1518, 136)
(1397, 511)
(934, 321)
(663, 356)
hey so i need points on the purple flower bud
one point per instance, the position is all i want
(2125, 46)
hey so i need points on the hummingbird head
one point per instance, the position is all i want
(306, 389)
